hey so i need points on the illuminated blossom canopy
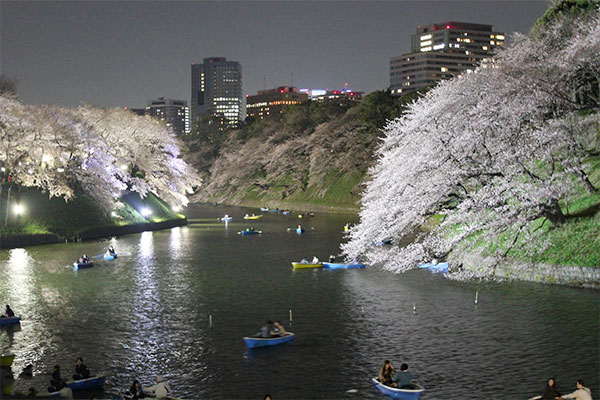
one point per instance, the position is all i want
(100, 152)
(486, 153)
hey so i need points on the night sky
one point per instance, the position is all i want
(124, 53)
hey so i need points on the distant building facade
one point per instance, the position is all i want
(217, 91)
(175, 113)
(327, 94)
(271, 102)
(441, 51)
(137, 111)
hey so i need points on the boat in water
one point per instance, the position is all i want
(110, 257)
(10, 321)
(300, 265)
(80, 265)
(93, 382)
(436, 267)
(227, 218)
(247, 233)
(253, 342)
(252, 216)
(402, 394)
(342, 266)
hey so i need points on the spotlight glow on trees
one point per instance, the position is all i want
(146, 212)
(19, 209)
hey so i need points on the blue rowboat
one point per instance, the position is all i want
(94, 382)
(403, 394)
(342, 266)
(110, 256)
(227, 219)
(252, 342)
(299, 230)
(285, 212)
(78, 265)
(246, 233)
(435, 267)
(10, 321)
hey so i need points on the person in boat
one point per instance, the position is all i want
(56, 382)
(278, 329)
(582, 393)
(251, 229)
(8, 312)
(304, 261)
(111, 251)
(84, 259)
(81, 370)
(331, 258)
(550, 392)
(246, 216)
(161, 389)
(266, 330)
(315, 260)
(386, 373)
(136, 391)
(404, 378)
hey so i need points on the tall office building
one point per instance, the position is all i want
(217, 90)
(440, 51)
(175, 113)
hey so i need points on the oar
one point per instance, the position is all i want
(98, 256)
(535, 398)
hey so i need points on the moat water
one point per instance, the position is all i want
(149, 313)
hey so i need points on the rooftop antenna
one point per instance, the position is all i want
(291, 79)
(264, 80)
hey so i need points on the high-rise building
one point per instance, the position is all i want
(217, 90)
(440, 51)
(268, 103)
(175, 113)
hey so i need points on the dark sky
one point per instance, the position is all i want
(124, 53)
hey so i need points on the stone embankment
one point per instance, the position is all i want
(476, 266)
(11, 242)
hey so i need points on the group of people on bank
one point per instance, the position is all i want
(402, 379)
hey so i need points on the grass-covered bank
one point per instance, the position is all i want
(42, 220)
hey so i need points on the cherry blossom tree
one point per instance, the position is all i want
(91, 150)
(486, 153)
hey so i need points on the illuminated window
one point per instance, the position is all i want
(425, 37)
(426, 43)
(444, 69)
(500, 37)
(484, 47)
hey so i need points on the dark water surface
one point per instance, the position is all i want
(147, 313)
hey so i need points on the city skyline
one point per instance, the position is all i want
(122, 54)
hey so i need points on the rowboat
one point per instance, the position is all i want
(94, 382)
(6, 360)
(298, 265)
(252, 342)
(435, 267)
(253, 216)
(286, 212)
(10, 321)
(109, 257)
(247, 233)
(342, 266)
(227, 218)
(403, 394)
(78, 265)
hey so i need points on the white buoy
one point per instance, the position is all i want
(210, 321)
(476, 296)
(414, 308)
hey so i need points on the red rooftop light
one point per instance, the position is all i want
(448, 27)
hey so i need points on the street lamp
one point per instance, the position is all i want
(18, 208)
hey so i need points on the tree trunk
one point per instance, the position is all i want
(586, 181)
(553, 212)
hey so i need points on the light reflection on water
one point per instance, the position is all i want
(147, 313)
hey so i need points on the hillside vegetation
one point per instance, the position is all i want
(315, 155)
